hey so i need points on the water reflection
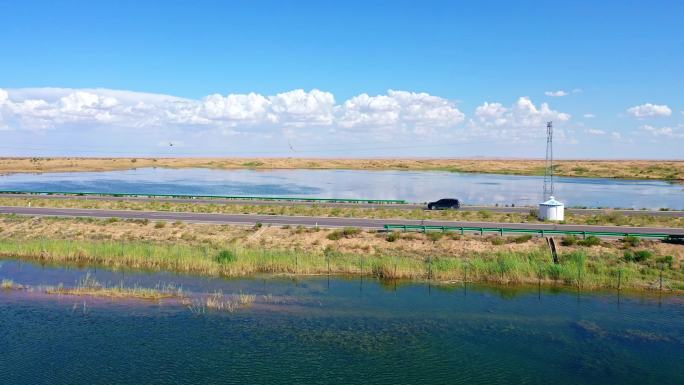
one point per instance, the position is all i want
(408, 185)
(338, 330)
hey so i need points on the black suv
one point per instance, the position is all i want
(444, 204)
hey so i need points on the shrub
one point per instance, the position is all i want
(393, 236)
(347, 232)
(485, 214)
(637, 256)
(188, 237)
(667, 260)
(257, 225)
(569, 240)
(160, 225)
(522, 238)
(631, 240)
(225, 256)
(111, 220)
(435, 236)
(533, 214)
(498, 241)
(590, 241)
(335, 235)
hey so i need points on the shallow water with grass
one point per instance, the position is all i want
(333, 330)
(413, 186)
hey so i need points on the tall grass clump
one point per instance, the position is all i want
(347, 232)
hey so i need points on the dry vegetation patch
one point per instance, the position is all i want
(630, 169)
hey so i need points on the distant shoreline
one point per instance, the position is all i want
(671, 170)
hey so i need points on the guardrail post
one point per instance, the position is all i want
(584, 235)
(481, 230)
(501, 231)
(461, 230)
(542, 233)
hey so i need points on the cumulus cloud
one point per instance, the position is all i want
(399, 109)
(589, 116)
(556, 94)
(524, 114)
(51, 108)
(649, 110)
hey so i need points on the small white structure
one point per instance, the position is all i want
(551, 210)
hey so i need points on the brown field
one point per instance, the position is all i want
(624, 169)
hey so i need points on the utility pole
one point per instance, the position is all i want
(548, 171)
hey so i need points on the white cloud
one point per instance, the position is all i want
(589, 116)
(663, 132)
(523, 114)
(400, 110)
(556, 94)
(649, 110)
(53, 108)
(593, 131)
(299, 107)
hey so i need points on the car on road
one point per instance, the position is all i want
(444, 204)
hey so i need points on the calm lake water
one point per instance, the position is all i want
(337, 330)
(420, 186)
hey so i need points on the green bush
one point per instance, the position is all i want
(435, 236)
(590, 241)
(347, 232)
(637, 256)
(159, 225)
(667, 260)
(631, 240)
(393, 236)
(498, 241)
(225, 256)
(569, 240)
(522, 238)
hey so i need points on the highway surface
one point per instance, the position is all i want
(328, 222)
(408, 206)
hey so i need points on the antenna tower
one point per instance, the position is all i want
(548, 171)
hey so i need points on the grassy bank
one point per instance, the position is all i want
(230, 251)
(607, 218)
(626, 169)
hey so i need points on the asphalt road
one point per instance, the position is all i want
(247, 219)
(408, 206)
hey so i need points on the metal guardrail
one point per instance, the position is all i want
(189, 196)
(504, 230)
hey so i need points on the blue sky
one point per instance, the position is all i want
(617, 65)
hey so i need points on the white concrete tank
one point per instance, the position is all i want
(551, 210)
